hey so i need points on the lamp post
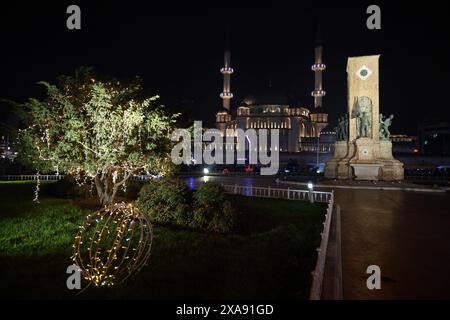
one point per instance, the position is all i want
(317, 154)
(310, 192)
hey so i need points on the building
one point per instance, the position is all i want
(434, 138)
(7, 148)
(404, 144)
(299, 127)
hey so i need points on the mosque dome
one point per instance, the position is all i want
(269, 96)
(319, 110)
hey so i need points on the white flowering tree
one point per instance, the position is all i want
(102, 131)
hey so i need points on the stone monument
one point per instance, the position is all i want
(363, 150)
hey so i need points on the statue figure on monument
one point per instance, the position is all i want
(338, 129)
(362, 111)
(345, 128)
(365, 125)
(342, 128)
(385, 134)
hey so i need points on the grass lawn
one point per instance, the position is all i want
(273, 259)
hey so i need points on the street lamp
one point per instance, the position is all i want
(317, 154)
(205, 170)
(310, 192)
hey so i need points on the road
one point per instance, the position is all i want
(406, 234)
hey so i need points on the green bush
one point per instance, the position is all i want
(166, 201)
(209, 195)
(212, 210)
(169, 201)
(224, 221)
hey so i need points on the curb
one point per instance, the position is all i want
(366, 187)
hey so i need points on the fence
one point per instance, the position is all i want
(22, 177)
(54, 177)
(318, 273)
(289, 194)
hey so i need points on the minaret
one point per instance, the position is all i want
(227, 70)
(318, 116)
(318, 67)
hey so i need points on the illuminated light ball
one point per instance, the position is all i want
(113, 244)
(205, 170)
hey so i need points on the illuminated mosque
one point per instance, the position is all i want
(299, 126)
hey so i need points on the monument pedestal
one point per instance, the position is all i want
(344, 171)
(392, 169)
(364, 159)
(332, 166)
(366, 171)
(364, 163)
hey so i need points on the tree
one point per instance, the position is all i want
(102, 131)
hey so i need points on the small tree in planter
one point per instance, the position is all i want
(98, 130)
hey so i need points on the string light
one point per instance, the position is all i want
(112, 244)
(38, 188)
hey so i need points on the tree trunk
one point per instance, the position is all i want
(106, 188)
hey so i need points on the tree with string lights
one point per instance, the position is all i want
(102, 132)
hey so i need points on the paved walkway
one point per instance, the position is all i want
(407, 234)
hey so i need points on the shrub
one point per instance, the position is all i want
(212, 210)
(169, 201)
(166, 201)
(224, 221)
(210, 195)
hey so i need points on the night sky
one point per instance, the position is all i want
(177, 48)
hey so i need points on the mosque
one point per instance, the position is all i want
(300, 128)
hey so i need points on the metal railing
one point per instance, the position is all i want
(290, 194)
(268, 192)
(318, 273)
(54, 177)
(23, 177)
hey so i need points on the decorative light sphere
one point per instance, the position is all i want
(112, 244)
